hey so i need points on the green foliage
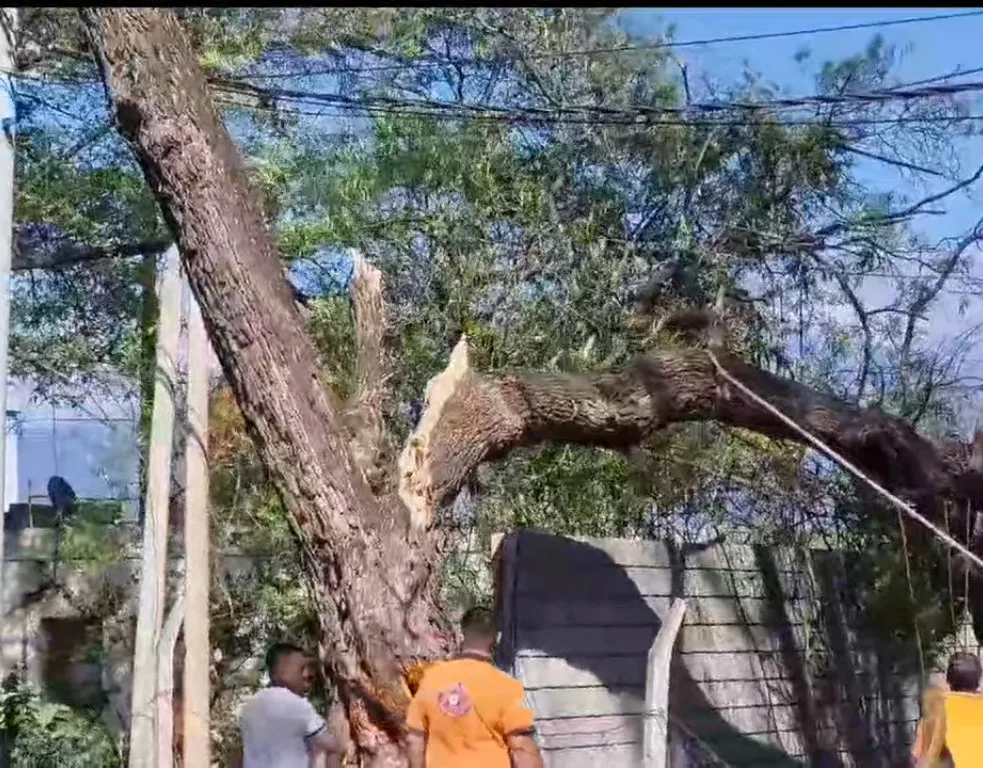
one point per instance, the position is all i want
(96, 538)
(76, 185)
(42, 734)
(331, 326)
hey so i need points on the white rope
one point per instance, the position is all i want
(846, 464)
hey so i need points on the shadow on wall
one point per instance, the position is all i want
(568, 601)
(874, 710)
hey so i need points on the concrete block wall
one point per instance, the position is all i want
(770, 668)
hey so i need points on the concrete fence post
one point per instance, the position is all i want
(656, 722)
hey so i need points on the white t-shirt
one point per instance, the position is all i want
(276, 724)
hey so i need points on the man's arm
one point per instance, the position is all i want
(930, 735)
(324, 749)
(416, 729)
(322, 745)
(235, 757)
(517, 728)
(524, 751)
(416, 748)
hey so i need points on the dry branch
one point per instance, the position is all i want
(67, 254)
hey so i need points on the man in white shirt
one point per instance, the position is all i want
(280, 728)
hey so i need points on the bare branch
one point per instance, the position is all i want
(927, 294)
(863, 317)
(69, 254)
(905, 213)
(897, 162)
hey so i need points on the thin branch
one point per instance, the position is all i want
(890, 160)
(904, 213)
(70, 254)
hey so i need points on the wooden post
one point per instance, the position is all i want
(153, 565)
(196, 546)
(165, 684)
(8, 113)
(656, 724)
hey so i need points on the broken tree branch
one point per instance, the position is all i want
(471, 418)
(365, 409)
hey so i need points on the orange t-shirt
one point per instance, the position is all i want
(466, 708)
(951, 724)
(964, 729)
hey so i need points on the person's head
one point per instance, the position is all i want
(964, 672)
(478, 629)
(289, 667)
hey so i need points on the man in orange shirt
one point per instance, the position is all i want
(469, 714)
(951, 727)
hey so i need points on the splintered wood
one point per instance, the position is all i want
(415, 472)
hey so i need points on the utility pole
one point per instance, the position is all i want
(153, 564)
(8, 118)
(197, 651)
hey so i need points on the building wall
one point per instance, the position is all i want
(771, 667)
(48, 640)
(94, 446)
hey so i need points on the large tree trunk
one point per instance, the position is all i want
(370, 571)
(370, 551)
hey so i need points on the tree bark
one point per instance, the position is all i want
(370, 572)
(371, 558)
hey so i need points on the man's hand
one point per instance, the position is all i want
(524, 751)
(325, 749)
(416, 749)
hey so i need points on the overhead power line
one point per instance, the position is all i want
(627, 48)
(937, 78)
(631, 113)
(913, 91)
(343, 109)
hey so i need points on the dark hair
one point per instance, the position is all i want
(278, 651)
(478, 622)
(964, 672)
